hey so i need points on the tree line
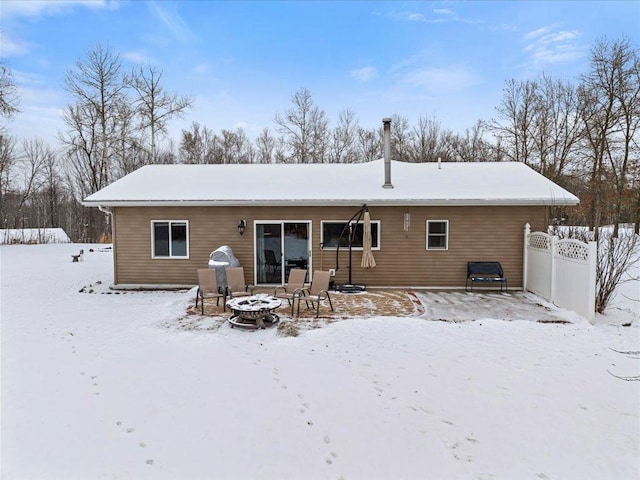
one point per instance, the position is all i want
(582, 134)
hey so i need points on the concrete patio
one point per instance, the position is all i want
(447, 306)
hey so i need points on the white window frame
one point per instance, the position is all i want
(373, 247)
(446, 236)
(309, 224)
(153, 240)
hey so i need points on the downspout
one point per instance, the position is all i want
(108, 211)
(105, 210)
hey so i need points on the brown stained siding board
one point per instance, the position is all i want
(207, 228)
(474, 234)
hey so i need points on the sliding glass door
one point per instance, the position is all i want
(281, 246)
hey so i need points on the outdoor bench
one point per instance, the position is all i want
(485, 272)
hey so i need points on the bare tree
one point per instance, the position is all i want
(236, 147)
(470, 146)
(192, 146)
(516, 119)
(97, 87)
(627, 155)
(200, 145)
(9, 98)
(426, 141)
(609, 113)
(34, 159)
(52, 190)
(635, 187)
(369, 144)
(556, 127)
(31, 191)
(154, 105)
(129, 153)
(82, 149)
(615, 257)
(304, 128)
(280, 152)
(7, 164)
(167, 155)
(401, 138)
(343, 139)
(265, 146)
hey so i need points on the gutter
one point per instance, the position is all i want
(106, 206)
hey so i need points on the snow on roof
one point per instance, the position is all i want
(486, 183)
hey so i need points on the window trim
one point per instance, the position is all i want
(355, 249)
(446, 236)
(153, 240)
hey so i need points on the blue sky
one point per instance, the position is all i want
(242, 61)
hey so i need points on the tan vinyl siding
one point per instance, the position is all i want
(475, 233)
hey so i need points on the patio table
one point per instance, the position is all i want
(253, 311)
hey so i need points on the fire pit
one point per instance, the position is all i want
(253, 311)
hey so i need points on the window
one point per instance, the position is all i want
(331, 231)
(169, 239)
(437, 234)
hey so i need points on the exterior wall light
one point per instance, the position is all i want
(407, 221)
(241, 226)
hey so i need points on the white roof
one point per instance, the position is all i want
(351, 184)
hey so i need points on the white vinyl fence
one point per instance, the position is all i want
(561, 271)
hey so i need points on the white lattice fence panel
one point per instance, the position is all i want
(540, 240)
(573, 249)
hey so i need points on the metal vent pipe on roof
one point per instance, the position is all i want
(386, 123)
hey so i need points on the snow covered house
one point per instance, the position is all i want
(428, 219)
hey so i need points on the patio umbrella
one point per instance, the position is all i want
(367, 255)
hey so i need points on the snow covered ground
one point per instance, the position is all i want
(107, 386)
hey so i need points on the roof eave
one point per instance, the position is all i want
(512, 202)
